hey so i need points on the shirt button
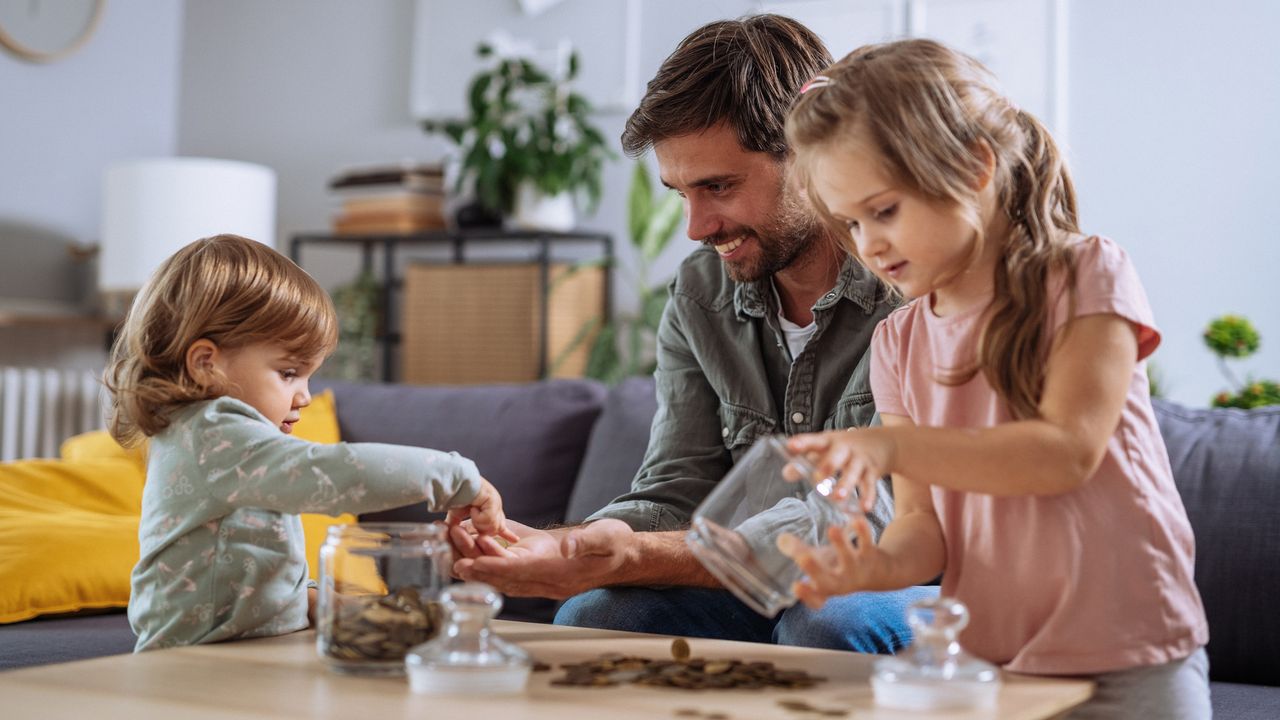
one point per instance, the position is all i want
(797, 418)
(830, 295)
(724, 432)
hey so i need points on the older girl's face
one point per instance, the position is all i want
(918, 245)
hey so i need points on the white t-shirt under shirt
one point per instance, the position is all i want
(797, 336)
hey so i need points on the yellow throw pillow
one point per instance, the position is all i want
(69, 528)
(98, 444)
(68, 535)
(319, 424)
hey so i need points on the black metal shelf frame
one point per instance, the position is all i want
(458, 241)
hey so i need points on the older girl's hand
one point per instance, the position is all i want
(861, 456)
(838, 568)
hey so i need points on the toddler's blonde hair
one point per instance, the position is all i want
(227, 289)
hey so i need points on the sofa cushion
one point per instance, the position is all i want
(1232, 701)
(1226, 464)
(528, 440)
(616, 449)
(51, 640)
(68, 535)
(318, 423)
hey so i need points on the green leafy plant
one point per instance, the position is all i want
(359, 314)
(1232, 336)
(1156, 383)
(625, 346)
(524, 124)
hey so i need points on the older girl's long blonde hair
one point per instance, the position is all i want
(927, 109)
(228, 289)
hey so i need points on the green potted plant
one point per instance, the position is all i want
(625, 346)
(527, 139)
(1232, 336)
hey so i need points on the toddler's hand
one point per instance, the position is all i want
(838, 568)
(485, 512)
(861, 456)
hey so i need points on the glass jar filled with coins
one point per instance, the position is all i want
(379, 584)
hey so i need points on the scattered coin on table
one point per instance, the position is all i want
(682, 671)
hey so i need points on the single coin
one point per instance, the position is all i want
(680, 649)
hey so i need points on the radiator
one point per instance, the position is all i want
(39, 408)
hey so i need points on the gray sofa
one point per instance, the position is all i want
(558, 450)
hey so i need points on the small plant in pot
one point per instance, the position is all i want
(1233, 336)
(527, 143)
(624, 346)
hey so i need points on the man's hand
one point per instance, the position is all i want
(556, 563)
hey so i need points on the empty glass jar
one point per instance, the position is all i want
(379, 590)
(735, 531)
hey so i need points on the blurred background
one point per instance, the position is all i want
(1167, 109)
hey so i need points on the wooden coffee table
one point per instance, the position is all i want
(283, 677)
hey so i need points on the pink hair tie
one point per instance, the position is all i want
(817, 82)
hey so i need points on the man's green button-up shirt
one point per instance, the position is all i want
(725, 377)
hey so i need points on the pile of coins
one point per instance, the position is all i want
(683, 672)
(381, 628)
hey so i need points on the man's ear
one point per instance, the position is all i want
(986, 158)
(201, 358)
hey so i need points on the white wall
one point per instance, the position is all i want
(308, 87)
(62, 124)
(1174, 110)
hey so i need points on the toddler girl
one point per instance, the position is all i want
(1026, 461)
(212, 364)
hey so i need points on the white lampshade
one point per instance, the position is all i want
(153, 208)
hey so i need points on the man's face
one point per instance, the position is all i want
(737, 201)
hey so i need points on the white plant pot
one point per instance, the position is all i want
(535, 211)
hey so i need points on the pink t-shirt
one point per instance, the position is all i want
(1093, 580)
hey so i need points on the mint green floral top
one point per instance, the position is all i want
(222, 552)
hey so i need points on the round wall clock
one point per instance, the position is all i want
(47, 30)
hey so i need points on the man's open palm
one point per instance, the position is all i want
(554, 564)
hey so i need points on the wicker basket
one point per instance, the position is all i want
(481, 323)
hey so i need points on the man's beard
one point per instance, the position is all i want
(787, 233)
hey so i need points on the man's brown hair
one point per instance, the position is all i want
(741, 72)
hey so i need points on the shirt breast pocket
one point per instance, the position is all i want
(740, 427)
(856, 410)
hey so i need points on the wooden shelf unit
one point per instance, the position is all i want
(457, 241)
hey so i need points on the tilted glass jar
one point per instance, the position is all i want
(379, 590)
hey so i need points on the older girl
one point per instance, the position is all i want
(1027, 465)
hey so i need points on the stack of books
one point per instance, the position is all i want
(392, 199)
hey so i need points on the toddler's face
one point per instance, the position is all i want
(917, 245)
(269, 378)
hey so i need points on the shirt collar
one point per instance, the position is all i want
(855, 283)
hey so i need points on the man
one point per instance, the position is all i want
(766, 332)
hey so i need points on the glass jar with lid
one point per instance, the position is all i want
(379, 590)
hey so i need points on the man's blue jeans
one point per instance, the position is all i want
(869, 622)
